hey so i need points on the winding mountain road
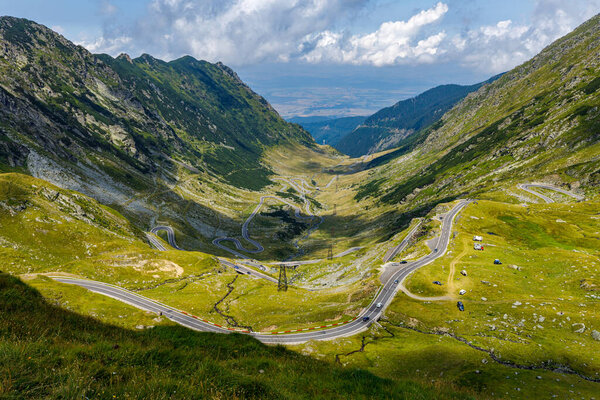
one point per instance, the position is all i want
(258, 247)
(171, 239)
(527, 187)
(331, 331)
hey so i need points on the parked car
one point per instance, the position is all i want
(496, 261)
(437, 283)
(462, 291)
(460, 306)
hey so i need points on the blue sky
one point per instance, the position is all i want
(322, 57)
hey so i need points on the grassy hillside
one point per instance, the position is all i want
(89, 359)
(527, 328)
(48, 229)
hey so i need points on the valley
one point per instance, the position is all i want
(165, 214)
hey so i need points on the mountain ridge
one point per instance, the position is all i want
(331, 131)
(136, 109)
(388, 127)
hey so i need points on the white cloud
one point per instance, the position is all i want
(102, 45)
(107, 8)
(504, 45)
(391, 44)
(58, 28)
(235, 31)
(241, 32)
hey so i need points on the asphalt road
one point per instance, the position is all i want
(170, 237)
(384, 296)
(155, 242)
(392, 253)
(527, 187)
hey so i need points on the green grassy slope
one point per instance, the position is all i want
(48, 352)
(527, 328)
(48, 229)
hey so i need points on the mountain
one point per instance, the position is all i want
(389, 126)
(330, 131)
(539, 121)
(123, 122)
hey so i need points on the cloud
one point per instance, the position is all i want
(391, 44)
(58, 28)
(504, 45)
(233, 31)
(107, 45)
(245, 32)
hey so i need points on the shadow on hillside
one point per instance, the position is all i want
(92, 359)
(339, 228)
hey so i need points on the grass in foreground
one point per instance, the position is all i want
(48, 352)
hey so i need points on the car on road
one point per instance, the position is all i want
(403, 262)
(379, 305)
(461, 306)
(435, 251)
(396, 281)
(437, 283)
(365, 319)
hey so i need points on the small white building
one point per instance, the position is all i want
(477, 238)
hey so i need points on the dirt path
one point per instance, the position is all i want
(451, 287)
